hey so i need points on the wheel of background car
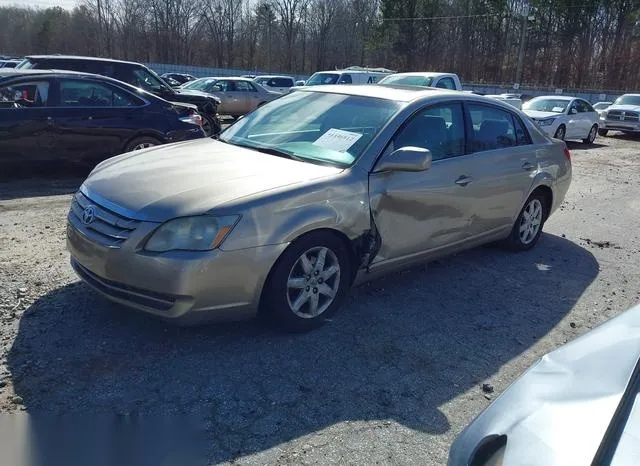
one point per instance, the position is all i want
(142, 142)
(560, 132)
(211, 126)
(603, 132)
(309, 282)
(592, 135)
(528, 226)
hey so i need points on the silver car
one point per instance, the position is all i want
(318, 190)
(238, 96)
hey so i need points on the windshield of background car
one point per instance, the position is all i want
(547, 105)
(407, 80)
(323, 78)
(317, 127)
(202, 84)
(628, 100)
(601, 106)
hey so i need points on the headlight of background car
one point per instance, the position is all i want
(546, 122)
(201, 233)
(603, 115)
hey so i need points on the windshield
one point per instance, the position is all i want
(316, 127)
(628, 100)
(400, 80)
(323, 78)
(547, 105)
(202, 84)
(147, 79)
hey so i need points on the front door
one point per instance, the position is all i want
(420, 211)
(25, 126)
(232, 101)
(248, 95)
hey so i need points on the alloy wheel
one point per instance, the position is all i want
(144, 145)
(531, 221)
(313, 282)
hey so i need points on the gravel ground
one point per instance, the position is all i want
(392, 379)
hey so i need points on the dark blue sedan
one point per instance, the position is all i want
(52, 118)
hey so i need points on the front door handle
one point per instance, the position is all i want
(464, 180)
(526, 165)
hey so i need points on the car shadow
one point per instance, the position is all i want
(574, 145)
(400, 348)
(625, 136)
(37, 187)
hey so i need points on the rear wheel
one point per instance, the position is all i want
(143, 142)
(560, 132)
(592, 135)
(603, 132)
(528, 226)
(309, 282)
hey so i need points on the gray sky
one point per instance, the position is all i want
(39, 3)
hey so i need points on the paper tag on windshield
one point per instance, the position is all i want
(337, 139)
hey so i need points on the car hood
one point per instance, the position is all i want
(625, 108)
(559, 410)
(541, 115)
(191, 178)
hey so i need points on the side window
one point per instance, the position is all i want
(574, 108)
(76, 93)
(522, 135)
(345, 79)
(492, 128)
(446, 83)
(244, 86)
(25, 94)
(584, 106)
(225, 86)
(439, 129)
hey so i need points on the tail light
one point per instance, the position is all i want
(567, 154)
(193, 118)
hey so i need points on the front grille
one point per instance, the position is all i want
(620, 115)
(146, 298)
(107, 228)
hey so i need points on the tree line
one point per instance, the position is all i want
(591, 44)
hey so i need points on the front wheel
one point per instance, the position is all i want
(143, 142)
(528, 226)
(309, 282)
(592, 135)
(560, 132)
(603, 132)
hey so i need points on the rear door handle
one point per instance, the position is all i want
(464, 180)
(526, 165)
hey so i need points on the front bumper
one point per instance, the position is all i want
(620, 125)
(184, 287)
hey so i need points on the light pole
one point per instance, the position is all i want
(523, 40)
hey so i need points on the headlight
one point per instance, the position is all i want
(603, 115)
(547, 122)
(201, 233)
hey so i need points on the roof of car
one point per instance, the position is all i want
(78, 57)
(382, 91)
(268, 76)
(556, 97)
(13, 72)
(426, 74)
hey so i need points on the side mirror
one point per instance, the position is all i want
(405, 159)
(572, 111)
(216, 89)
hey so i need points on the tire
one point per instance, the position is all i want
(603, 133)
(211, 126)
(560, 133)
(142, 142)
(520, 240)
(592, 135)
(296, 282)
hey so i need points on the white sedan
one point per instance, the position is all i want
(564, 117)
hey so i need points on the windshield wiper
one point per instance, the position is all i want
(268, 150)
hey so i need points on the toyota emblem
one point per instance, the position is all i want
(89, 215)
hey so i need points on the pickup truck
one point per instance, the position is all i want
(623, 115)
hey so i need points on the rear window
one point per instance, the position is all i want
(400, 80)
(276, 82)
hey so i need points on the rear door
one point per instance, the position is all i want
(94, 120)
(248, 96)
(499, 170)
(26, 125)
(232, 101)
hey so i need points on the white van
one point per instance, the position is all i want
(280, 84)
(351, 75)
